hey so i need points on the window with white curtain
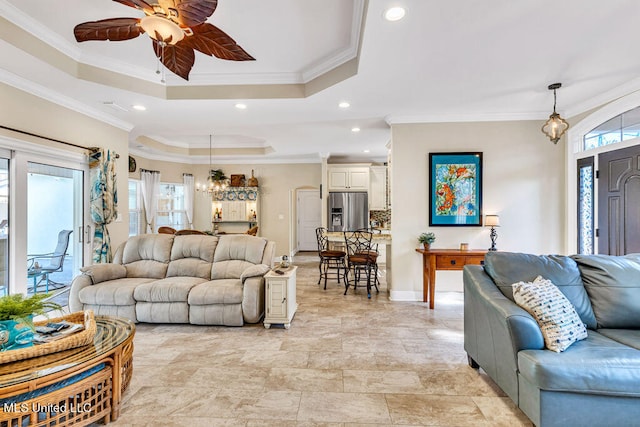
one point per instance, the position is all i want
(171, 210)
(136, 214)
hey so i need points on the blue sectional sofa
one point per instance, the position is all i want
(596, 381)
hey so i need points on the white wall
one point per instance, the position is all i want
(523, 182)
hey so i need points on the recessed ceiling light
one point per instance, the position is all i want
(344, 104)
(394, 13)
(241, 106)
(356, 129)
(366, 151)
(139, 107)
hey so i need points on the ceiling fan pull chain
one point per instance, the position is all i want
(162, 80)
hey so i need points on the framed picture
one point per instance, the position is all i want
(455, 189)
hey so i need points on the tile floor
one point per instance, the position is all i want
(345, 361)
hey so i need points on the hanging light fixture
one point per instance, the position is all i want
(216, 181)
(556, 126)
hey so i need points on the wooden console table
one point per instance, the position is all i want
(444, 259)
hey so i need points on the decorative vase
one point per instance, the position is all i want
(426, 246)
(253, 181)
(14, 335)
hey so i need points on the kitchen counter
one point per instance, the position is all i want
(380, 239)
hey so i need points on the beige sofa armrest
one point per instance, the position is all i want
(257, 270)
(253, 299)
(90, 276)
(103, 272)
(79, 282)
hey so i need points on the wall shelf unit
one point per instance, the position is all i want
(235, 210)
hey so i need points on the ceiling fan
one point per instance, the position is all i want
(176, 28)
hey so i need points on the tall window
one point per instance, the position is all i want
(171, 211)
(620, 128)
(585, 206)
(136, 216)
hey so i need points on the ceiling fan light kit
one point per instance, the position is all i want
(162, 29)
(177, 28)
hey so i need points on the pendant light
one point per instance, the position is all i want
(216, 181)
(556, 126)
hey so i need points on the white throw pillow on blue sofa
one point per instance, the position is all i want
(557, 317)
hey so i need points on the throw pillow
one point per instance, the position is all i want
(558, 320)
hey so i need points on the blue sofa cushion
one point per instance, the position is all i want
(613, 285)
(507, 268)
(630, 337)
(597, 365)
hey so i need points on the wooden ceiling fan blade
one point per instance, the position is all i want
(211, 40)
(138, 4)
(194, 12)
(179, 59)
(114, 29)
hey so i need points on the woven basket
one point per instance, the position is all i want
(77, 339)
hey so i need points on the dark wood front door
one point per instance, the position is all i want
(619, 201)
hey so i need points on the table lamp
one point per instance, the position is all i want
(492, 221)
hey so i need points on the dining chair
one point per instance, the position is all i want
(360, 258)
(166, 230)
(188, 232)
(329, 259)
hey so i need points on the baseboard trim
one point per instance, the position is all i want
(405, 296)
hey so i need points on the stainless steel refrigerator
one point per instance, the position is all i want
(348, 211)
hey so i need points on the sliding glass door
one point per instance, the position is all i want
(43, 192)
(4, 226)
(55, 219)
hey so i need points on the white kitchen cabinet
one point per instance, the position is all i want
(280, 297)
(378, 188)
(348, 178)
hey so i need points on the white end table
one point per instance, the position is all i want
(280, 298)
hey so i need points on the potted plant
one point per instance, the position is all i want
(16, 318)
(426, 239)
(217, 175)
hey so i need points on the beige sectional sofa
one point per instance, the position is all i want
(161, 278)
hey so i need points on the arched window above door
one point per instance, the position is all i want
(623, 127)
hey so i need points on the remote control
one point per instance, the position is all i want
(279, 272)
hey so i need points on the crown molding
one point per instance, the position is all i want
(328, 63)
(62, 100)
(225, 160)
(27, 23)
(463, 117)
(614, 94)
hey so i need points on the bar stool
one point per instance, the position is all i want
(360, 258)
(329, 260)
(374, 253)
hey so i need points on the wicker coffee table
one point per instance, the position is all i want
(71, 387)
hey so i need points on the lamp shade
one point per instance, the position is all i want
(492, 221)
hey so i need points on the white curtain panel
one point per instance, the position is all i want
(150, 191)
(189, 190)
